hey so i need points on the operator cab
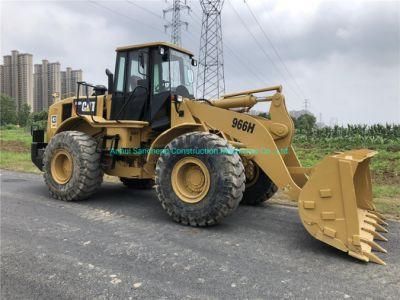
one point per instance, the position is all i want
(146, 78)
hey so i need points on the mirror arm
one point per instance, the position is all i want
(110, 77)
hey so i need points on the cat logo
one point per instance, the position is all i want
(54, 121)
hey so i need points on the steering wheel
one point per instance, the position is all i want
(161, 86)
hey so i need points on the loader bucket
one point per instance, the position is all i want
(335, 205)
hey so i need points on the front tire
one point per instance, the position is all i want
(71, 165)
(199, 189)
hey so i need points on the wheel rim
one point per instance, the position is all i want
(190, 180)
(252, 172)
(61, 166)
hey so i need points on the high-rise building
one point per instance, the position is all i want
(17, 78)
(25, 80)
(47, 79)
(1, 78)
(7, 75)
(36, 84)
(69, 86)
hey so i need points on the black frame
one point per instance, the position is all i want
(158, 119)
(122, 100)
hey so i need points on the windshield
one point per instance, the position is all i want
(175, 74)
(181, 72)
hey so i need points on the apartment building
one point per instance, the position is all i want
(1, 78)
(47, 81)
(36, 84)
(69, 79)
(16, 78)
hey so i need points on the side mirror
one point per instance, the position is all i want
(142, 63)
(141, 60)
(194, 62)
(110, 77)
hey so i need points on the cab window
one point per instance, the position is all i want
(161, 78)
(137, 69)
(120, 73)
(181, 71)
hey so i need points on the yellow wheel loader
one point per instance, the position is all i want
(204, 156)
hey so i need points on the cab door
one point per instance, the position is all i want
(118, 97)
(131, 92)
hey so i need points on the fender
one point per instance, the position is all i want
(75, 123)
(163, 139)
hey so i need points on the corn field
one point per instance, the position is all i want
(352, 135)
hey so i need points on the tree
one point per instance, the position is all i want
(39, 116)
(38, 119)
(294, 121)
(23, 115)
(306, 122)
(264, 115)
(8, 113)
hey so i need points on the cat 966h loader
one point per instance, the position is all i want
(204, 156)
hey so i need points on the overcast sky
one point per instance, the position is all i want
(344, 56)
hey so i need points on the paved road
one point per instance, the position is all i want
(121, 244)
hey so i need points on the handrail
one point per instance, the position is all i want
(277, 88)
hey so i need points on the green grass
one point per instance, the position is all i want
(15, 150)
(383, 190)
(388, 206)
(18, 134)
(17, 161)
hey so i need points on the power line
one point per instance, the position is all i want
(231, 52)
(145, 9)
(197, 20)
(274, 48)
(125, 16)
(261, 47)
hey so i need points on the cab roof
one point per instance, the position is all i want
(154, 44)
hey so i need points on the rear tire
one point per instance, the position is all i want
(199, 189)
(71, 165)
(258, 189)
(137, 184)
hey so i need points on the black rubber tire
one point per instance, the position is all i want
(87, 174)
(260, 191)
(137, 184)
(227, 181)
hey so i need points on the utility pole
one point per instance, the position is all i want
(176, 23)
(210, 75)
(306, 104)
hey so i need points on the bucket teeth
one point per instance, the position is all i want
(376, 225)
(375, 234)
(372, 257)
(369, 224)
(373, 245)
(377, 219)
(377, 214)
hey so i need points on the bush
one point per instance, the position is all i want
(10, 126)
(38, 120)
(8, 114)
(23, 115)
